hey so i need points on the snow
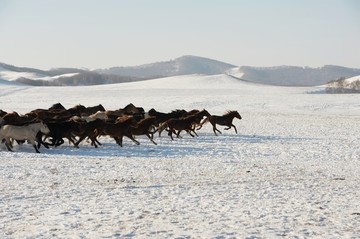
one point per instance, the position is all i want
(236, 72)
(292, 171)
(352, 79)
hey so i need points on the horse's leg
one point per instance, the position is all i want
(82, 137)
(59, 142)
(178, 134)
(36, 149)
(40, 140)
(170, 134)
(215, 129)
(189, 132)
(73, 142)
(119, 140)
(234, 128)
(193, 130)
(229, 127)
(132, 138)
(32, 142)
(7, 142)
(11, 143)
(96, 142)
(151, 138)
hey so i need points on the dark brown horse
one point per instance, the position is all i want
(162, 117)
(2, 113)
(64, 129)
(130, 109)
(122, 127)
(89, 130)
(225, 120)
(187, 123)
(57, 106)
(92, 110)
(14, 118)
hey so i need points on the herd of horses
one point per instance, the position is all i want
(49, 127)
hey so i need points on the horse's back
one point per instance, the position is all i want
(20, 132)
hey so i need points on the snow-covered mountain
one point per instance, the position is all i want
(58, 76)
(293, 75)
(185, 65)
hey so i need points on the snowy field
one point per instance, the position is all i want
(292, 171)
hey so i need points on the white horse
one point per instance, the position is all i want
(26, 132)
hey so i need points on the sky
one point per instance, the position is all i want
(101, 34)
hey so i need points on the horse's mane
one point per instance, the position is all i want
(230, 112)
(178, 111)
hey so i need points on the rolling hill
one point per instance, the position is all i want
(185, 65)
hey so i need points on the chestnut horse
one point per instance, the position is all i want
(146, 127)
(187, 123)
(225, 120)
(122, 127)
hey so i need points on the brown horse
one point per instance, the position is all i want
(146, 127)
(2, 113)
(184, 123)
(162, 117)
(14, 118)
(225, 120)
(87, 111)
(57, 106)
(130, 109)
(89, 130)
(122, 127)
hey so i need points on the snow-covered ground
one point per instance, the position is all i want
(292, 171)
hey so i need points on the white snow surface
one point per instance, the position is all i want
(292, 171)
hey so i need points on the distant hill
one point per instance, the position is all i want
(185, 65)
(278, 75)
(58, 76)
(293, 75)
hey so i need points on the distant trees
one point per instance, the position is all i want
(83, 78)
(341, 86)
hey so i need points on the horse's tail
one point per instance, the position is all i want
(203, 122)
(161, 128)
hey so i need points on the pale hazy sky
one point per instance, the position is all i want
(105, 33)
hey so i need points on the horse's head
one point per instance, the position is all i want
(205, 113)
(152, 112)
(100, 107)
(237, 115)
(44, 128)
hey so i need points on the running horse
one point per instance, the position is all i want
(187, 123)
(225, 120)
(25, 132)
